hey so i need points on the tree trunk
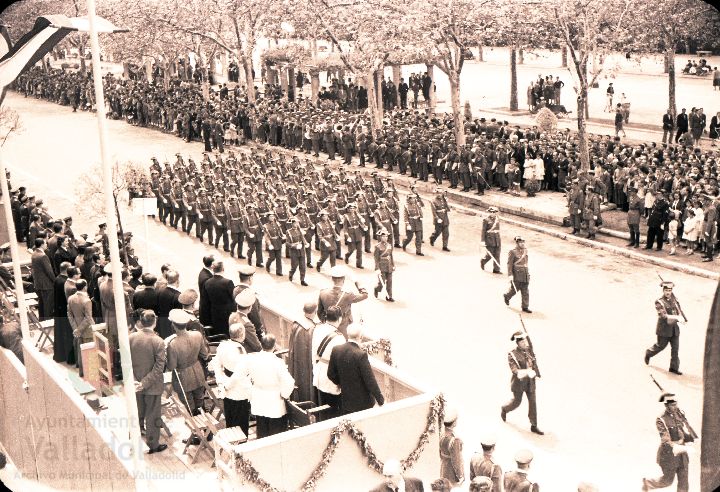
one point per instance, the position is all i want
(283, 81)
(582, 134)
(377, 89)
(250, 86)
(313, 48)
(480, 53)
(521, 56)
(458, 120)
(126, 70)
(513, 80)
(431, 72)
(166, 75)
(291, 82)
(396, 80)
(375, 108)
(314, 86)
(670, 57)
(563, 55)
(148, 70)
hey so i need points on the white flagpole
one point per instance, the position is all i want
(15, 253)
(119, 294)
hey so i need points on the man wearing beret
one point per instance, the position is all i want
(519, 274)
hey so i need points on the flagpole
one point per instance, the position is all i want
(15, 253)
(111, 219)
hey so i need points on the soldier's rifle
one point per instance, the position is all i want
(676, 302)
(529, 339)
(680, 412)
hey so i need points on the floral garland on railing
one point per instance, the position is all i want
(381, 344)
(436, 415)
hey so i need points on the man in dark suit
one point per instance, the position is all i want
(203, 276)
(146, 297)
(658, 217)
(167, 301)
(43, 278)
(147, 351)
(221, 303)
(682, 124)
(668, 125)
(63, 345)
(350, 369)
(392, 471)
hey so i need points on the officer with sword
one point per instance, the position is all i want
(519, 274)
(491, 239)
(670, 316)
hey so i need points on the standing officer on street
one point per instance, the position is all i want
(672, 455)
(519, 274)
(451, 459)
(524, 371)
(440, 209)
(517, 480)
(484, 465)
(491, 239)
(384, 265)
(413, 224)
(670, 314)
(184, 352)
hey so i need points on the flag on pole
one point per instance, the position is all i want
(710, 451)
(36, 43)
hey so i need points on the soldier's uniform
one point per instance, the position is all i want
(667, 328)
(190, 208)
(384, 265)
(364, 211)
(220, 222)
(274, 239)
(576, 203)
(394, 207)
(328, 239)
(308, 227)
(524, 369)
(440, 210)
(451, 461)
(166, 209)
(383, 216)
(235, 221)
(204, 206)
(184, 351)
(295, 240)
(491, 237)
(591, 212)
(177, 207)
(672, 455)
(482, 465)
(517, 480)
(413, 224)
(253, 227)
(355, 228)
(518, 269)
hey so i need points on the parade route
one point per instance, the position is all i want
(593, 314)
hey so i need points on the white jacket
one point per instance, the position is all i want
(320, 364)
(232, 356)
(271, 384)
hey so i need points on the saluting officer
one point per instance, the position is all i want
(384, 265)
(491, 239)
(296, 242)
(413, 224)
(274, 238)
(670, 314)
(672, 455)
(519, 274)
(440, 209)
(524, 371)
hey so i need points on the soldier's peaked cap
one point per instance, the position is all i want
(523, 457)
(179, 317)
(245, 299)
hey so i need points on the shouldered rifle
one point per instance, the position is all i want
(691, 431)
(530, 344)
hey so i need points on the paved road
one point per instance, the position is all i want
(593, 316)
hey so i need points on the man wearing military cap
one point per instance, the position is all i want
(517, 480)
(524, 368)
(296, 243)
(205, 220)
(413, 223)
(490, 237)
(576, 204)
(184, 351)
(670, 315)
(234, 214)
(245, 301)
(355, 229)
(384, 265)
(336, 296)
(635, 206)
(328, 239)
(483, 465)
(519, 274)
(440, 210)
(591, 211)
(219, 218)
(451, 460)
(672, 454)
(253, 229)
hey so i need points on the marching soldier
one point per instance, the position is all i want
(220, 221)
(190, 206)
(204, 216)
(355, 228)
(383, 215)
(394, 206)
(440, 211)
(384, 265)
(371, 198)
(274, 238)
(364, 210)
(670, 315)
(253, 227)
(517, 480)
(591, 211)
(308, 227)
(295, 240)
(234, 215)
(176, 202)
(334, 216)
(164, 192)
(328, 239)
(484, 465)
(519, 274)
(524, 371)
(491, 239)
(672, 455)
(413, 224)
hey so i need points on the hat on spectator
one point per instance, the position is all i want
(179, 317)
(245, 299)
(523, 457)
(188, 297)
(338, 272)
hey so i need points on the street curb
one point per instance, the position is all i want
(428, 187)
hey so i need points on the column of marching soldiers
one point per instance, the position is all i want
(263, 201)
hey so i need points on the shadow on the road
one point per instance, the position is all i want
(690, 380)
(548, 441)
